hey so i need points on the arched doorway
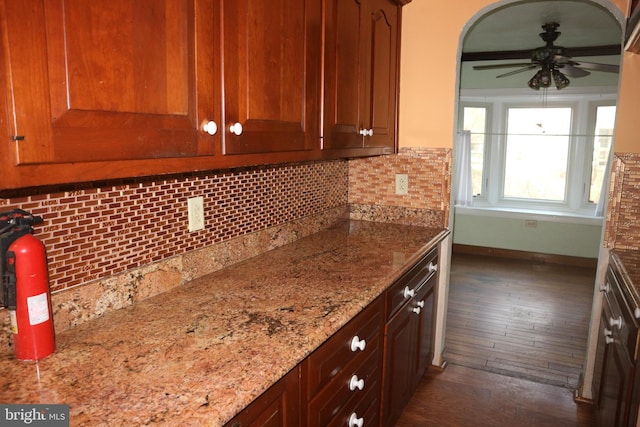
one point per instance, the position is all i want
(504, 217)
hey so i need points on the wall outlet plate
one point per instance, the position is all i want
(402, 184)
(195, 207)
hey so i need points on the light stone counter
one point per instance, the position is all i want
(200, 353)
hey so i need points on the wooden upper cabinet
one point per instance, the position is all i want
(272, 67)
(103, 81)
(361, 75)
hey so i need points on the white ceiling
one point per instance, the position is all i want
(516, 26)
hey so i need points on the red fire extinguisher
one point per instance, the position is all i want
(25, 286)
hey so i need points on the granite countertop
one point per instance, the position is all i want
(200, 353)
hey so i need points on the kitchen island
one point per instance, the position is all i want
(200, 353)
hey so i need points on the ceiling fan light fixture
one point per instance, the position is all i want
(560, 79)
(534, 83)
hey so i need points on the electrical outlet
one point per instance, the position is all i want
(402, 183)
(195, 207)
(531, 223)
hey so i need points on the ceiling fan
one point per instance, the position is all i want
(554, 62)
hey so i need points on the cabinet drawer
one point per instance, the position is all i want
(338, 397)
(406, 287)
(336, 354)
(619, 317)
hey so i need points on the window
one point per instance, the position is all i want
(537, 153)
(475, 120)
(546, 157)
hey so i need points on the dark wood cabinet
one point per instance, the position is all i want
(343, 376)
(93, 83)
(279, 406)
(98, 91)
(361, 76)
(272, 71)
(408, 335)
(616, 368)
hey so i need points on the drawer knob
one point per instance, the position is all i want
(408, 293)
(416, 310)
(605, 288)
(433, 267)
(358, 344)
(210, 127)
(616, 322)
(608, 340)
(236, 129)
(607, 332)
(420, 304)
(354, 421)
(355, 383)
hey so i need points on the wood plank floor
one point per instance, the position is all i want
(516, 339)
(466, 397)
(519, 318)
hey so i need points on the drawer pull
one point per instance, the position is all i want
(608, 340)
(416, 310)
(354, 421)
(605, 288)
(358, 344)
(355, 383)
(616, 322)
(408, 293)
(433, 267)
(420, 304)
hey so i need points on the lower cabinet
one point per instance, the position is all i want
(616, 384)
(408, 336)
(279, 406)
(365, 374)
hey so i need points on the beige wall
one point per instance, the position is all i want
(430, 36)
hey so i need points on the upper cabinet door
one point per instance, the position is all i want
(104, 81)
(382, 76)
(361, 75)
(272, 59)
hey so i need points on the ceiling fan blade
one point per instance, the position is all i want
(496, 66)
(511, 73)
(594, 66)
(572, 71)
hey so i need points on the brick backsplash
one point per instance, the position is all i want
(623, 213)
(91, 233)
(372, 187)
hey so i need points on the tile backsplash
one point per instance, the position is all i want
(112, 244)
(622, 230)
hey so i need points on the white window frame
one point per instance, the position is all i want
(583, 103)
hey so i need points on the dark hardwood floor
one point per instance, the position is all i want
(519, 318)
(515, 342)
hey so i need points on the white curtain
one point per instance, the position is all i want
(464, 192)
(604, 190)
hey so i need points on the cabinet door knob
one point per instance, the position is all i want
(355, 383)
(433, 267)
(236, 129)
(408, 293)
(605, 288)
(607, 332)
(608, 340)
(366, 132)
(354, 421)
(420, 304)
(416, 310)
(358, 344)
(210, 127)
(616, 322)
